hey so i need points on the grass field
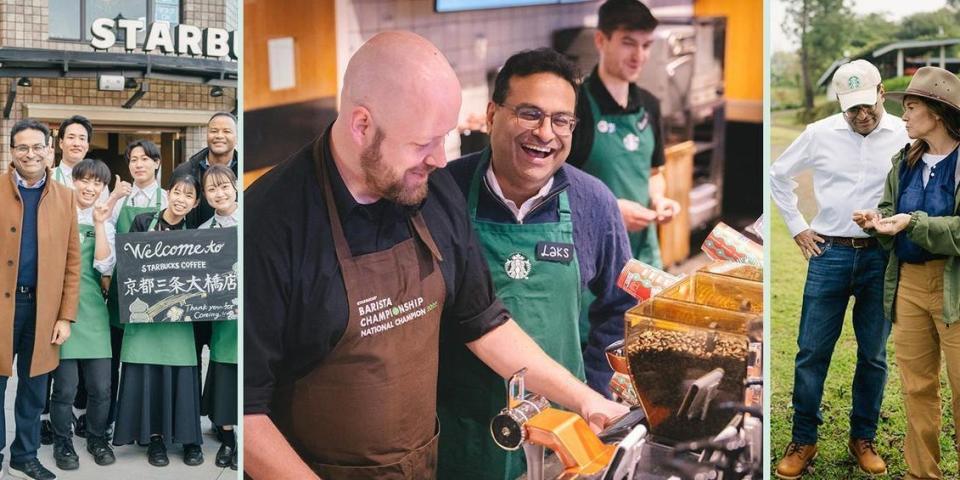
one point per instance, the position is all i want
(788, 273)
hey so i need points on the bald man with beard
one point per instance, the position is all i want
(360, 251)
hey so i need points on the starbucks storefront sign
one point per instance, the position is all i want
(180, 39)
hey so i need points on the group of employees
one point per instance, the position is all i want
(387, 297)
(887, 232)
(59, 298)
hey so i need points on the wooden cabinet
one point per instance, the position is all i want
(678, 173)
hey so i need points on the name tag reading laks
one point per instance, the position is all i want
(555, 252)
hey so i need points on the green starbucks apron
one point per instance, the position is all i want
(124, 222)
(60, 177)
(537, 276)
(90, 335)
(621, 157)
(159, 343)
(223, 339)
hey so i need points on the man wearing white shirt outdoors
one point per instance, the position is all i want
(75, 134)
(849, 155)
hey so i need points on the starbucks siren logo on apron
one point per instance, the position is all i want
(631, 142)
(517, 267)
(604, 126)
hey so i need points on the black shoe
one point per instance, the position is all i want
(157, 452)
(80, 427)
(233, 460)
(192, 455)
(46, 432)
(101, 451)
(64, 454)
(224, 455)
(31, 469)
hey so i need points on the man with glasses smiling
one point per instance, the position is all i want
(849, 156)
(38, 300)
(548, 232)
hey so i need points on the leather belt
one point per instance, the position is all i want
(854, 242)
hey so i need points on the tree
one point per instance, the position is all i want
(871, 30)
(822, 28)
(925, 25)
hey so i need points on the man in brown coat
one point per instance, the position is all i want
(39, 286)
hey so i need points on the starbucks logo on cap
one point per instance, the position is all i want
(853, 82)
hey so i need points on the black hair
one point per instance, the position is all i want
(148, 147)
(530, 62)
(223, 114)
(29, 124)
(630, 15)
(78, 119)
(186, 179)
(91, 167)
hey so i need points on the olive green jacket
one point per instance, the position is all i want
(939, 235)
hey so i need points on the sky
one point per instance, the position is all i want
(893, 9)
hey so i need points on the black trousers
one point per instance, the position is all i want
(66, 380)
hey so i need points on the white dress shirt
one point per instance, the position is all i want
(223, 221)
(527, 206)
(23, 183)
(141, 197)
(849, 171)
(105, 266)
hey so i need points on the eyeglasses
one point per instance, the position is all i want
(854, 112)
(531, 118)
(25, 149)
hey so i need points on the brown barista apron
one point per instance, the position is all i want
(369, 409)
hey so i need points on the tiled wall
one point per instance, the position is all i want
(474, 42)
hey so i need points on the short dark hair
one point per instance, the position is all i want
(29, 124)
(223, 114)
(91, 167)
(626, 14)
(79, 119)
(530, 62)
(186, 179)
(148, 147)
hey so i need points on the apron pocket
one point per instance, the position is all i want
(419, 463)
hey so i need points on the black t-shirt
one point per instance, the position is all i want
(141, 223)
(295, 305)
(637, 98)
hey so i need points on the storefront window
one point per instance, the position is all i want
(71, 19)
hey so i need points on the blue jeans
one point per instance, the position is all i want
(838, 273)
(31, 392)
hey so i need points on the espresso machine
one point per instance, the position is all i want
(689, 367)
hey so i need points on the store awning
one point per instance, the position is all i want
(44, 63)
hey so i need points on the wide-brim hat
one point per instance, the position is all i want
(932, 83)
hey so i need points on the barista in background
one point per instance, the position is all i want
(74, 136)
(619, 139)
(219, 400)
(151, 411)
(143, 196)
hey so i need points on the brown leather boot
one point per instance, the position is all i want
(866, 454)
(795, 461)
